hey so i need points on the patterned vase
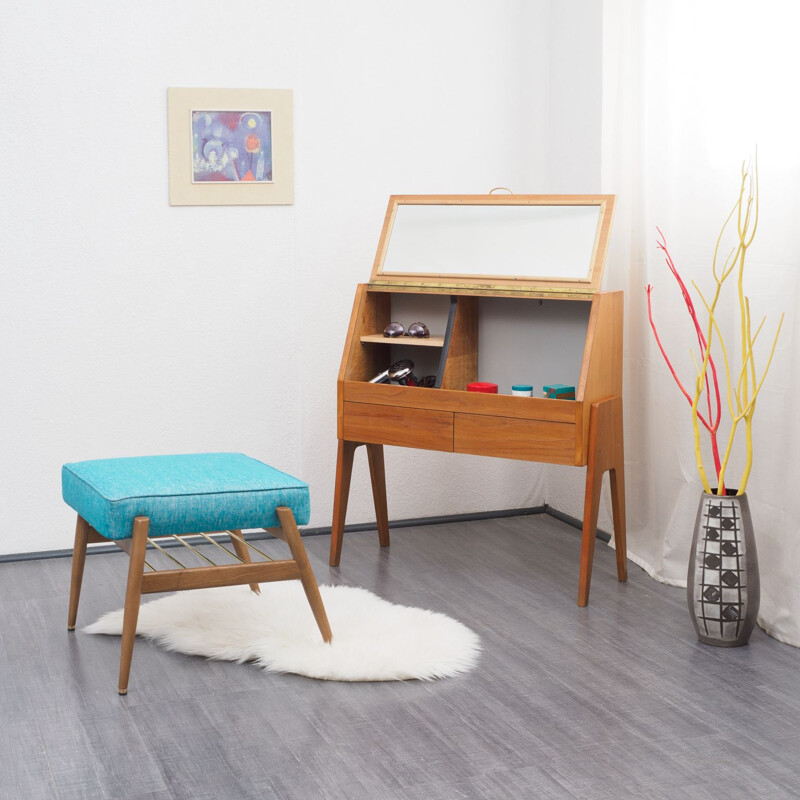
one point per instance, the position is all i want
(723, 587)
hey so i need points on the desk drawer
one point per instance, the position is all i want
(506, 437)
(404, 427)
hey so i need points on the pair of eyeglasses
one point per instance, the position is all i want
(417, 329)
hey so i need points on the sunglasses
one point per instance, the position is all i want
(416, 329)
(428, 381)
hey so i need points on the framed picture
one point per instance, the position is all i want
(230, 147)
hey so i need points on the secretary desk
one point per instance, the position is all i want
(510, 288)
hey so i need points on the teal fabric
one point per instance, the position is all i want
(181, 494)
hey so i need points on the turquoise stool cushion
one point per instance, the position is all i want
(181, 494)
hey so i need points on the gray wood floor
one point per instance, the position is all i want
(614, 701)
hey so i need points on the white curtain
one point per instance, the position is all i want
(689, 90)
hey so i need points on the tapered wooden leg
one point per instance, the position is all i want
(133, 596)
(618, 509)
(377, 474)
(289, 528)
(78, 562)
(606, 452)
(591, 507)
(344, 471)
(237, 540)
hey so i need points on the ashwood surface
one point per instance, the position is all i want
(341, 494)
(371, 314)
(82, 528)
(504, 437)
(377, 474)
(408, 341)
(491, 284)
(176, 580)
(461, 366)
(499, 405)
(185, 577)
(606, 454)
(601, 370)
(377, 424)
(451, 419)
(243, 552)
(344, 471)
(306, 573)
(133, 596)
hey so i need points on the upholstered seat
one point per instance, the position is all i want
(134, 501)
(181, 494)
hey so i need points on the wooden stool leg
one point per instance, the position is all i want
(237, 540)
(606, 452)
(78, 562)
(289, 528)
(377, 474)
(133, 596)
(344, 471)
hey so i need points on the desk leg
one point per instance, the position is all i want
(617, 476)
(344, 470)
(606, 452)
(377, 474)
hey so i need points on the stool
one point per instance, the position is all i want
(133, 501)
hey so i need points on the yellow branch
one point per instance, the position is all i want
(741, 394)
(751, 406)
(749, 418)
(696, 426)
(752, 340)
(713, 322)
(748, 427)
(728, 450)
(754, 195)
(725, 268)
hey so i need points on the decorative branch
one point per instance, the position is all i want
(741, 395)
(702, 383)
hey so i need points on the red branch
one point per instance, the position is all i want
(710, 424)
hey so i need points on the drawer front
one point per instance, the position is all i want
(496, 405)
(506, 437)
(404, 427)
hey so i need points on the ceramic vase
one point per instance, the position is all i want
(723, 586)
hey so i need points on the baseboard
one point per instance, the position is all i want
(256, 535)
(324, 531)
(574, 521)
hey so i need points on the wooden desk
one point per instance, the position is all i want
(586, 431)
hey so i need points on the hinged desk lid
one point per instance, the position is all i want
(494, 244)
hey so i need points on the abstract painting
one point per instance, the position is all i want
(231, 146)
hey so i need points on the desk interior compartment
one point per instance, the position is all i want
(450, 353)
(531, 341)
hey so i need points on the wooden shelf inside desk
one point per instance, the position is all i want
(414, 341)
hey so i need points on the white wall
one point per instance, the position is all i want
(575, 59)
(575, 82)
(130, 327)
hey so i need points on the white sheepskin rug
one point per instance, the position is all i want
(373, 640)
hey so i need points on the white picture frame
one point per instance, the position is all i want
(230, 147)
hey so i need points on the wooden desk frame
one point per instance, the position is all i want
(586, 431)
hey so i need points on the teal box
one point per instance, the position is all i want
(559, 391)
